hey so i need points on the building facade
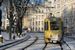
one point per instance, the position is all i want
(64, 9)
(69, 15)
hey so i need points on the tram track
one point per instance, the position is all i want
(29, 44)
(67, 45)
(6, 46)
(60, 44)
(44, 46)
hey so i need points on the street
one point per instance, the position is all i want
(39, 44)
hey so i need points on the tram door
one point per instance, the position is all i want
(46, 29)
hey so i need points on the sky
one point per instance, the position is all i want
(38, 1)
(5, 1)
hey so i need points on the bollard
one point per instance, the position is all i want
(14, 37)
(22, 34)
(1, 38)
(19, 35)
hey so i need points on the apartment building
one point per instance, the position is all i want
(69, 15)
(38, 19)
(59, 8)
(64, 9)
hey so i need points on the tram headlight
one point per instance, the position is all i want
(50, 35)
(58, 35)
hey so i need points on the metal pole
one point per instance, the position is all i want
(1, 37)
(10, 21)
(0, 16)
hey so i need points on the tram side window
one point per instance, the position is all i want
(47, 25)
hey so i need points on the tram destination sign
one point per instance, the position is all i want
(55, 19)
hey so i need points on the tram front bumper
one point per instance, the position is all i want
(53, 39)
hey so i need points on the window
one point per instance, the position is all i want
(39, 16)
(54, 14)
(46, 3)
(39, 22)
(58, 14)
(42, 11)
(58, 0)
(36, 17)
(33, 18)
(71, 13)
(44, 25)
(36, 28)
(54, 25)
(50, 2)
(39, 11)
(42, 28)
(42, 16)
(33, 28)
(66, 21)
(33, 23)
(39, 29)
(36, 11)
(47, 25)
(46, 9)
(36, 22)
(36, 7)
(33, 12)
(42, 22)
(54, 0)
(58, 5)
(67, 0)
(54, 7)
(49, 9)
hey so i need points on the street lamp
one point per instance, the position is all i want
(1, 37)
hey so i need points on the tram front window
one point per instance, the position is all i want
(54, 25)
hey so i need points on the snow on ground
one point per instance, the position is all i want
(39, 44)
(53, 47)
(6, 36)
(70, 42)
(19, 46)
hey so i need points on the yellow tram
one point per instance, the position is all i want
(53, 29)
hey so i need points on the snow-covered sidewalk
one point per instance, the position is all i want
(70, 42)
(22, 45)
(6, 36)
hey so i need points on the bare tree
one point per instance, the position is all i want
(20, 8)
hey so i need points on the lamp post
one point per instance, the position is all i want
(0, 15)
(1, 37)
